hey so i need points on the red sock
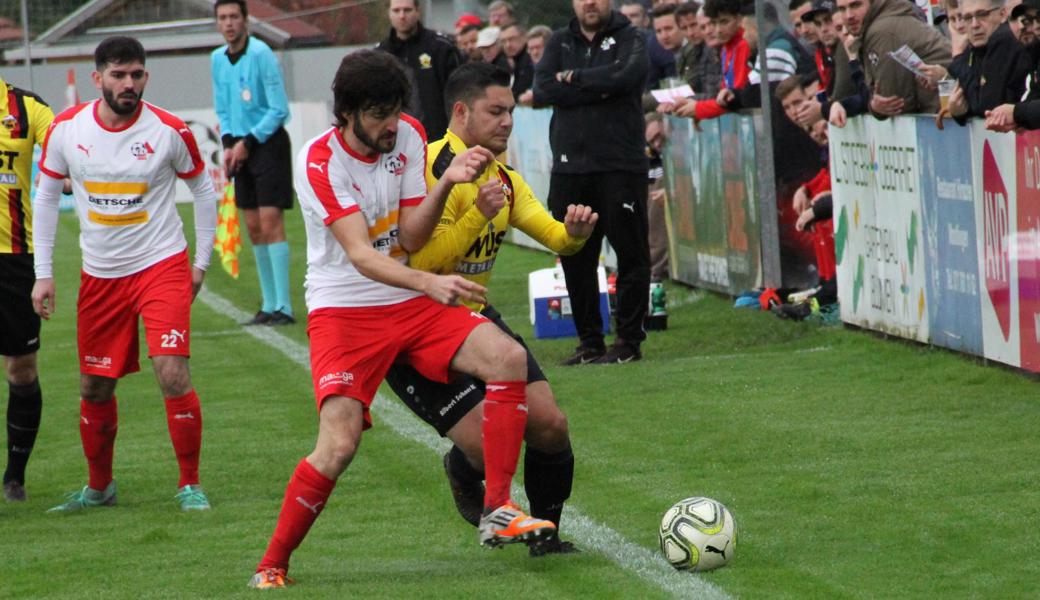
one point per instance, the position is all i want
(184, 418)
(505, 415)
(98, 423)
(305, 498)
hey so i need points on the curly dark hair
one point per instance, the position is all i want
(368, 79)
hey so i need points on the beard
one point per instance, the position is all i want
(121, 109)
(384, 144)
(593, 20)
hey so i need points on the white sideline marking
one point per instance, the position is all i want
(213, 334)
(591, 535)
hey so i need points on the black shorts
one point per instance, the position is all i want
(442, 405)
(19, 324)
(266, 177)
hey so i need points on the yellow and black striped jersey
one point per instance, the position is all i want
(25, 119)
(465, 242)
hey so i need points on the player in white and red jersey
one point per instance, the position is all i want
(124, 157)
(362, 188)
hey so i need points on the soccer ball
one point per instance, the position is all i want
(698, 534)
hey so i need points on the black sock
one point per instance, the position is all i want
(24, 405)
(460, 468)
(547, 481)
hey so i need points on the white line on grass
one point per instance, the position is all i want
(592, 535)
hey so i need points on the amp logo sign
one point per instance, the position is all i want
(997, 239)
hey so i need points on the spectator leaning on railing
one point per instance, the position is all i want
(826, 41)
(662, 62)
(883, 26)
(670, 37)
(700, 65)
(734, 54)
(993, 70)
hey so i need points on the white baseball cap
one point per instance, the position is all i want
(488, 36)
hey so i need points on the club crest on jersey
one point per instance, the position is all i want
(141, 150)
(10, 122)
(425, 61)
(395, 164)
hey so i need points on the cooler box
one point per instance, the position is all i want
(551, 307)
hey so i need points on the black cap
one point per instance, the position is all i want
(1024, 7)
(819, 6)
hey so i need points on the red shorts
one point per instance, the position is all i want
(108, 311)
(353, 348)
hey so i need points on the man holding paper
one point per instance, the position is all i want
(883, 27)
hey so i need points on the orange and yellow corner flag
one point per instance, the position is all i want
(228, 241)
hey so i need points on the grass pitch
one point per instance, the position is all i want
(856, 467)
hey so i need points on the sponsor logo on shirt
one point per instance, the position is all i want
(141, 150)
(134, 218)
(8, 179)
(338, 378)
(85, 149)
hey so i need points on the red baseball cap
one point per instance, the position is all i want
(468, 19)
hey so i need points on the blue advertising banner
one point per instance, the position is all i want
(950, 241)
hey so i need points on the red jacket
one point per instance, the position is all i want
(823, 231)
(735, 57)
(825, 67)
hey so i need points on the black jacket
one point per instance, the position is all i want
(429, 57)
(523, 73)
(597, 125)
(993, 74)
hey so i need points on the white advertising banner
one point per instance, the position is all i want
(994, 171)
(878, 230)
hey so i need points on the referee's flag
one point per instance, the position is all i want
(228, 241)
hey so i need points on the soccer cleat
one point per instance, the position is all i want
(553, 545)
(191, 497)
(507, 524)
(269, 579)
(583, 355)
(14, 492)
(469, 499)
(620, 352)
(280, 318)
(87, 498)
(260, 318)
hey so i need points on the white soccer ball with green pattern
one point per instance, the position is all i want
(698, 534)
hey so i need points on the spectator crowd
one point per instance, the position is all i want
(827, 61)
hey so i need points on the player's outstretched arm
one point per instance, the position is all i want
(530, 216)
(351, 232)
(417, 222)
(45, 228)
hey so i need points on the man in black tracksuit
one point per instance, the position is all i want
(429, 57)
(592, 73)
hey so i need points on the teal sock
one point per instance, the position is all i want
(266, 273)
(280, 266)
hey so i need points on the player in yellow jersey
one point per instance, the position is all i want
(25, 119)
(466, 242)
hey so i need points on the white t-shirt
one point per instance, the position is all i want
(123, 183)
(333, 181)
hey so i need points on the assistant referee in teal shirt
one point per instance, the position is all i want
(249, 97)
